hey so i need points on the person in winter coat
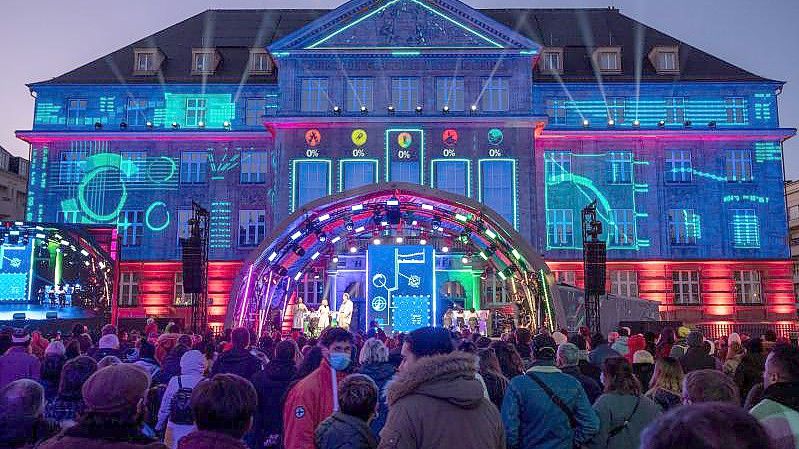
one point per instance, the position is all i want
(114, 414)
(696, 356)
(311, 400)
(680, 346)
(238, 360)
(348, 428)
(107, 345)
(623, 410)
(271, 385)
(21, 423)
(146, 360)
(735, 353)
(567, 361)
(223, 408)
(778, 412)
(192, 370)
(635, 343)
(600, 351)
(436, 400)
(664, 343)
(666, 384)
(374, 363)
(170, 366)
(643, 367)
(17, 363)
(621, 343)
(750, 370)
(53, 363)
(495, 382)
(68, 403)
(546, 408)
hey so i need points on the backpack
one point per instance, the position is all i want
(180, 407)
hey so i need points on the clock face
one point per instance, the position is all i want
(449, 137)
(313, 137)
(404, 140)
(358, 137)
(495, 136)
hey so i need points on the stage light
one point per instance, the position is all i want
(201, 124)
(711, 124)
(399, 240)
(464, 259)
(423, 241)
(445, 249)
(335, 259)
(349, 226)
(464, 237)
(335, 239)
(502, 275)
(391, 109)
(315, 255)
(41, 236)
(226, 125)
(661, 124)
(316, 275)
(364, 110)
(473, 108)
(636, 123)
(321, 236)
(490, 234)
(272, 257)
(393, 201)
(86, 262)
(123, 126)
(360, 229)
(298, 276)
(586, 123)
(353, 249)
(101, 264)
(461, 217)
(436, 223)
(84, 252)
(323, 218)
(149, 125)
(418, 109)
(611, 122)
(64, 243)
(414, 222)
(298, 250)
(377, 241)
(445, 109)
(357, 207)
(175, 125)
(98, 125)
(296, 235)
(337, 110)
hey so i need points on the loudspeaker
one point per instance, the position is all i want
(18, 316)
(594, 259)
(192, 265)
(52, 315)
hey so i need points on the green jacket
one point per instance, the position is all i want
(779, 414)
(613, 409)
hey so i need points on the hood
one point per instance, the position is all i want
(786, 393)
(450, 377)
(192, 362)
(280, 370)
(201, 439)
(379, 372)
(620, 346)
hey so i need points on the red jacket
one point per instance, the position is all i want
(307, 404)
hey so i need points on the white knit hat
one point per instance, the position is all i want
(55, 347)
(109, 341)
(559, 338)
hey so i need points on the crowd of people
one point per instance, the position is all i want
(429, 388)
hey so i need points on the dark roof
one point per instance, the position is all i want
(235, 31)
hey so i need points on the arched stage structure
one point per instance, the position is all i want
(399, 229)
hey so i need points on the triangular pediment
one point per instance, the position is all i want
(404, 25)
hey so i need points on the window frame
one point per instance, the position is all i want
(748, 283)
(738, 165)
(749, 237)
(253, 233)
(128, 289)
(314, 94)
(71, 170)
(197, 110)
(136, 114)
(196, 175)
(678, 168)
(624, 234)
(686, 287)
(736, 110)
(620, 170)
(246, 174)
(545, 61)
(630, 279)
(260, 55)
(140, 160)
(360, 92)
(131, 232)
(209, 56)
(675, 110)
(599, 60)
(76, 114)
(616, 109)
(556, 109)
(451, 92)
(179, 297)
(251, 108)
(406, 89)
(495, 96)
(686, 230)
(560, 228)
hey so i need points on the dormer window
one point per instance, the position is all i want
(551, 60)
(147, 61)
(665, 59)
(204, 61)
(260, 62)
(608, 59)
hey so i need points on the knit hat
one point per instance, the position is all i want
(544, 347)
(695, 339)
(559, 338)
(20, 337)
(55, 347)
(643, 356)
(109, 341)
(733, 338)
(683, 332)
(115, 389)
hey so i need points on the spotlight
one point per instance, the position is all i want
(337, 110)
(661, 124)
(711, 124)
(423, 241)
(473, 108)
(149, 124)
(464, 237)
(349, 226)
(585, 123)
(399, 240)
(414, 222)
(464, 259)
(335, 259)
(175, 125)
(281, 270)
(364, 110)
(226, 125)
(123, 126)
(98, 125)
(686, 123)
(445, 249)
(298, 250)
(611, 122)
(436, 224)
(391, 109)
(419, 109)
(321, 236)
(636, 123)
(376, 241)
(353, 249)
(201, 124)
(445, 109)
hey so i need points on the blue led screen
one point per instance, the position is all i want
(15, 265)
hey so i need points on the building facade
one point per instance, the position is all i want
(13, 186)
(792, 203)
(533, 112)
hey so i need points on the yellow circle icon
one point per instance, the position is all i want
(358, 137)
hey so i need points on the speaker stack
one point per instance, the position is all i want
(192, 265)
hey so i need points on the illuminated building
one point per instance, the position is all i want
(254, 114)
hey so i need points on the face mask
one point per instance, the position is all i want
(339, 361)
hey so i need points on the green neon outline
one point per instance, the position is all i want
(341, 170)
(545, 290)
(378, 10)
(294, 174)
(147, 217)
(452, 159)
(123, 197)
(421, 152)
(173, 168)
(515, 184)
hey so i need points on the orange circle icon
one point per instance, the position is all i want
(313, 137)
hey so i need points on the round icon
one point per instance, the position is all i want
(379, 303)
(495, 136)
(379, 280)
(313, 137)
(450, 137)
(404, 140)
(358, 137)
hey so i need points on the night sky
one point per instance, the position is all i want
(41, 39)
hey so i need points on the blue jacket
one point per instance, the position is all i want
(533, 421)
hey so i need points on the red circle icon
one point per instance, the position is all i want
(313, 137)
(449, 137)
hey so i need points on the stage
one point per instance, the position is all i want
(35, 312)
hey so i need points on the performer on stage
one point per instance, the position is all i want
(300, 310)
(471, 320)
(448, 317)
(345, 312)
(324, 315)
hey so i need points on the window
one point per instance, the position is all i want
(736, 109)
(193, 167)
(195, 111)
(624, 227)
(180, 297)
(745, 229)
(566, 277)
(675, 110)
(130, 227)
(313, 95)
(557, 163)
(133, 166)
(498, 187)
(494, 291)
(685, 285)
(496, 95)
(70, 216)
(355, 174)
(405, 172)
(450, 93)
(145, 61)
(665, 59)
(128, 289)
(451, 176)
(71, 166)
(556, 110)
(255, 108)
(76, 111)
(747, 287)
(679, 168)
(560, 228)
(684, 227)
(184, 229)
(405, 94)
(551, 60)
(793, 213)
(312, 181)
(254, 165)
(311, 289)
(138, 112)
(252, 227)
(204, 61)
(4, 159)
(624, 283)
(616, 109)
(608, 60)
(620, 167)
(360, 93)
(260, 62)
(738, 165)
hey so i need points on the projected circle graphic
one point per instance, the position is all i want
(161, 169)
(495, 136)
(379, 280)
(313, 137)
(379, 303)
(404, 140)
(358, 137)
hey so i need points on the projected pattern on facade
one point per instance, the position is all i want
(401, 286)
